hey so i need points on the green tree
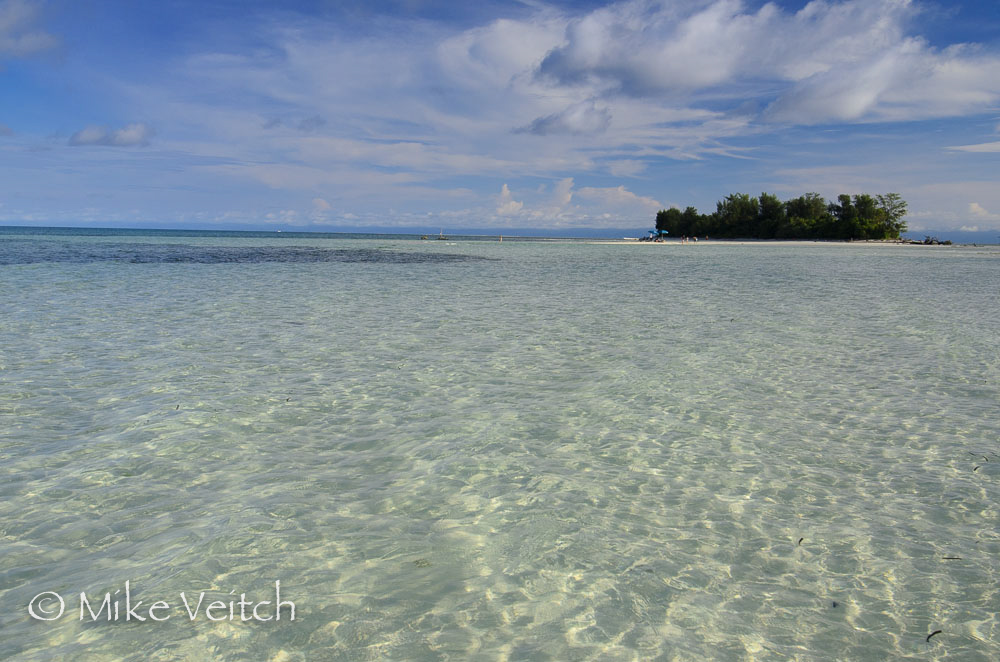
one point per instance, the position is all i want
(895, 209)
(806, 217)
(868, 221)
(846, 217)
(702, 225)
(736, 215)
(810, 206)
(668, 219)
(693, 222)
(770, 216)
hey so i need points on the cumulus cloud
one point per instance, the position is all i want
(645, 47)
(906, 81)
(562, 194)
(979, 212)
(507, 205)
(829, 61)
(563, 205)
(128, 136)
(18, 35)
(552, 94)
(497, 55)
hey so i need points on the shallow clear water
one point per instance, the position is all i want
(563, 451)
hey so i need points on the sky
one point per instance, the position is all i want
(416, 114)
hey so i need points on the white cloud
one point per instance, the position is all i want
(648, 48)
(128, 136)
(907, 81)
(552, 95)
(830, 61)
(496, 55)
(981, 147)
(319, 204)
(564, 206)
(626, 167)
(622, 200)
(977, 211)
(18, 36)
(286, 216)
(577, 119)
(562, 194)
(507, 205)
(444, 105)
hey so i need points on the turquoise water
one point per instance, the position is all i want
(500, 451)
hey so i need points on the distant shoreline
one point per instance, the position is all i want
(673, 241)
(585, 235)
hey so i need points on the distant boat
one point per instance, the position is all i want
(423, 237)
(441, 235)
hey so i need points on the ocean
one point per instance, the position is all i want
(482, 450)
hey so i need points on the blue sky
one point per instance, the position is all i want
(495, 114)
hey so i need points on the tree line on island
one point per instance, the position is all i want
(807, 217)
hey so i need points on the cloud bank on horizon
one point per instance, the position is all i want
(503, 114)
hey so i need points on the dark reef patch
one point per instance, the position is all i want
(33, 252)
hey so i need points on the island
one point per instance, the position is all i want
(741, 216)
